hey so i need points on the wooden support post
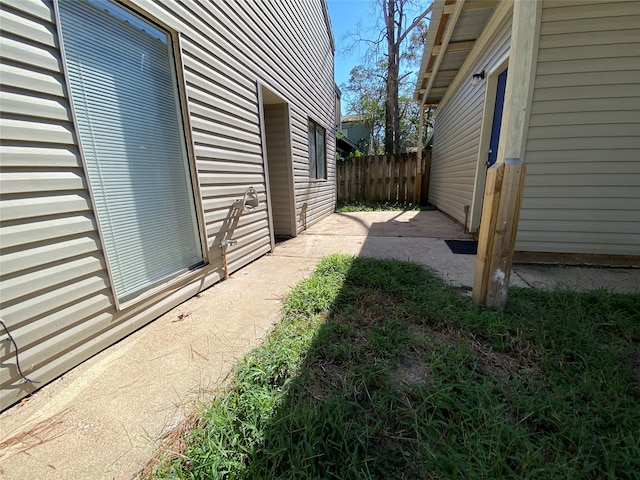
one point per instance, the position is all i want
(490, 205)
(501, 207)
(497, 235)
(418, 180)
(506, 227)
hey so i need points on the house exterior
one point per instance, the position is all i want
(355, 129)
(148, 150)
(570, 70)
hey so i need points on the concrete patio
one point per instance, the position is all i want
(105, 418)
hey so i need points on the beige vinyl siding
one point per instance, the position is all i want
(582, 192)
(458, 126)
(276, 123)
(53, 274)
(56, 294)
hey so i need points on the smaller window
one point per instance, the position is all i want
(317, 151)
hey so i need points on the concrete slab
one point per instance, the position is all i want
(104, 419)
(579, 278)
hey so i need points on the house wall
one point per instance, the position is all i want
(57, 301)
(276, 118)
(582, 191)
(458, 125)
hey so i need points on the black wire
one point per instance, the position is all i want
(15, 345)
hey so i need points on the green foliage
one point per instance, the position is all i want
(382, 206)
(380, 370)
(368, 92)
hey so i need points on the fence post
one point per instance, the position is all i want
(426, 172)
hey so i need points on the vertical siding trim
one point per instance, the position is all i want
(485, 138)
(265, 163)
(181, 83)
(78, 141)
(291, 173)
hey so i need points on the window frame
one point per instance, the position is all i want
(185, 132)
(313, 149)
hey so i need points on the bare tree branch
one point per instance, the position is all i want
(415, 23)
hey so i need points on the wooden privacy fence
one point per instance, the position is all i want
(381, 178)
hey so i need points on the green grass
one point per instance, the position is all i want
(381, 206)
(379, 370)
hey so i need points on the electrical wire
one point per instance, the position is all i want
(15, 345)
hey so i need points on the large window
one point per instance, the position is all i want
(317, 151)
(123, 86)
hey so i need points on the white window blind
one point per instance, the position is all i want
(122, 77)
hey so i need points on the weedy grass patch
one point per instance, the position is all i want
(382, 206)
(380, 370)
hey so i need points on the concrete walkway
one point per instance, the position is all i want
(104, 419)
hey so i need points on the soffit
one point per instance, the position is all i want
(455, 27)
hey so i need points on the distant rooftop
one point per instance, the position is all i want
(353, 118)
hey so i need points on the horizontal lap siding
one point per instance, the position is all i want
(53, 277)
(276, 125)
(457, 135)
(227, 47)
(582, 192)
(56, 295)
(300, 72)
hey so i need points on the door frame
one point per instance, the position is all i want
(261, 87)
(491, 82)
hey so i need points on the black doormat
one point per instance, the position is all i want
(463, 247)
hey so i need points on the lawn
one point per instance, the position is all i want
(379, 370)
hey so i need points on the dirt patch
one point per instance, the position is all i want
(412, 372)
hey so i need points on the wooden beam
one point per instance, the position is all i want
(522, 72)
(418, 178)
(441, 41)
(457, 47)
(505, 229)
(480, 5)
(498, 232)
(438, 90)
(447, 73)
(492, 190)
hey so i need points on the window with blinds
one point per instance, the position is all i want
(124, 92)
(317, 151)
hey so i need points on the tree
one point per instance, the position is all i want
(364, 93)
(381, 90)
(396, 34)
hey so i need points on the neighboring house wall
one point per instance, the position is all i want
(458, 124)
(359, 134)
(582, 192)
(57, 298)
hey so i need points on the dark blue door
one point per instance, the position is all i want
(497, 119)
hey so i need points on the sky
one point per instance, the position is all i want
(346, 17)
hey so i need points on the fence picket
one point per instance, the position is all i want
(380, 178)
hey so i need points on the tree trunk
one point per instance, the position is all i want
(392, 114)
